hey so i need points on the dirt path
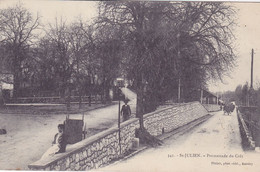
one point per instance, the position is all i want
(29, 136)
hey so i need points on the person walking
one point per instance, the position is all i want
(125, 111)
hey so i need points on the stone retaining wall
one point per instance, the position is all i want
(212, 107)
(168, 119)
(102, 148)
(91, 153)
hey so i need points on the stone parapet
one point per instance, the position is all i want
(102, 148)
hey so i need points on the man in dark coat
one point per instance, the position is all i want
(126, 111)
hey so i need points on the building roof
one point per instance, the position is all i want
(208, 93)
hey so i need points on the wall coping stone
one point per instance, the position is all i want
(128, 122)
(42, 163)
(74, 148)
(166, 108)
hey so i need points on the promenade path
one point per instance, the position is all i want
(214, 146)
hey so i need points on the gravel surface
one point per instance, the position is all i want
(30, 135)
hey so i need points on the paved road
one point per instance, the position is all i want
(29, 136)
(219, 136)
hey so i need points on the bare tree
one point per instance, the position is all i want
(61, 57)
(80, 40)
(108, 51)
(17, 33)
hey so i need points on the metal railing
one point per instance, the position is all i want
(246, 136)
(249, 127)
(54, 99)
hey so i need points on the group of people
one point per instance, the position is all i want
(228, 108)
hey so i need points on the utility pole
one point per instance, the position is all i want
(119, 129)
(250, 91)
(179, 90)
(179, 75)
(252, 68)
(201, 95)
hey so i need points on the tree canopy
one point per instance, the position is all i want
(166, 41)
(17, 26)
(156, 45)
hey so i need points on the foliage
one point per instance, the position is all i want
(246, 96)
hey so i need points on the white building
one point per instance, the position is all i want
(6, 84)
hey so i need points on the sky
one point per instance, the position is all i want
(50, 9)
(247, 33)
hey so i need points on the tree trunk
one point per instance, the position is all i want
(1, 97)
(140, 107)
(102, 97)
(17, 77)
(80, 99)
(107, 93)
(68, 98)
(16, 84)
(89, 99)
(144, 136)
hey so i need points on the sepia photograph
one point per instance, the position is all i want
(124, 86)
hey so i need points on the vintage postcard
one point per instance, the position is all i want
(129, 86)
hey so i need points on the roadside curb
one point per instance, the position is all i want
(74, 112)
(100, 107)
(106, 105)
(186, 127)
